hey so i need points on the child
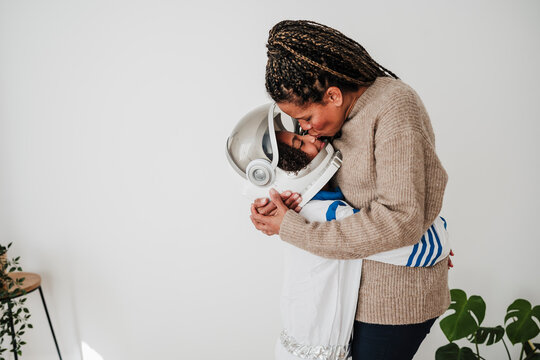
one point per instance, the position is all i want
(318, 302)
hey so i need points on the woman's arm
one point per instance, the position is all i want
(395, 218)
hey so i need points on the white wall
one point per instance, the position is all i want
(115, 188)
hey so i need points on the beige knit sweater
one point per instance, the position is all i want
(392, 174)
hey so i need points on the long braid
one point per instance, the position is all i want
(305, 58)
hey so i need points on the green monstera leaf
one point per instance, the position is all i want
(491, 334)
(453, 352)
(522, 327)
(461, 323)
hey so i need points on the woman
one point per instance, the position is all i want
(390, 172)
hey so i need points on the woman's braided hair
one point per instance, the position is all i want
(305, 58)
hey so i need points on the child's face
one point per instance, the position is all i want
(306, 143)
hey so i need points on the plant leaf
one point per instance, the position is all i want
(453, 352)
(522, 327)
(491, 334)
(461, 323)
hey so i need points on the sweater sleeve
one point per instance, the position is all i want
(395, 218)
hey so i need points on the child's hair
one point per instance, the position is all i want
(291, 159)
(305, 58)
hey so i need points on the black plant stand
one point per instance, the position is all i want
(31, 282)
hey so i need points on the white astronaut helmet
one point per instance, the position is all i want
(253, 152)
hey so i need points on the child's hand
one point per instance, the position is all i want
(290, 199)
(271, 223)
(264, 207)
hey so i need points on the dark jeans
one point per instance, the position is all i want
(388, 342)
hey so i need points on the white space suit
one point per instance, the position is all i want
(319, 297)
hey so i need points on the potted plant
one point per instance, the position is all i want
(519, 327)
(11, 297)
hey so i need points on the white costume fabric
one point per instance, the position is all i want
(319, 297)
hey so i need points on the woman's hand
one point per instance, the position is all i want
(271, 223)
(290, 199)
(450, 265)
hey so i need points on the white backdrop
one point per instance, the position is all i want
(115, 188)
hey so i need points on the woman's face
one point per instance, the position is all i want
(327, 117)
(305, 143)
(319, 119)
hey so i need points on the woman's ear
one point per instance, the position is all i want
(334, 96)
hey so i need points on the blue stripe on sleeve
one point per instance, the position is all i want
(421, 252)
(331, 212)
(444, 221)
(439, 250)
(430, 253)
(415, 249)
